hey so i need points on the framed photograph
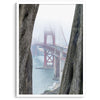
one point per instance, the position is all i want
(49, 51)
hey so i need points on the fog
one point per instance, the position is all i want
(47, 63)
(56, 18)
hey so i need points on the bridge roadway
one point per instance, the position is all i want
(52, 48)
(57, 53)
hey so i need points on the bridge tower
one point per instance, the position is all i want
(48, 57)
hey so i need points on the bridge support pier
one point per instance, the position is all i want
(48, 57)
(45, 62)
(56, 66)
(60, 71)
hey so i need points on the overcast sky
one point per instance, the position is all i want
(58, 18)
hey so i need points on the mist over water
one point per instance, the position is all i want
(43, 78)
(50, 18)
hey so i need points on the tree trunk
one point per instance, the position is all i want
(72, 78)
(27, 14)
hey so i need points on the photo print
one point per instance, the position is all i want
(50, 49)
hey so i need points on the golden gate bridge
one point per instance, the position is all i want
(53, 54)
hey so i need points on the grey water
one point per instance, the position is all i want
(42, 78)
